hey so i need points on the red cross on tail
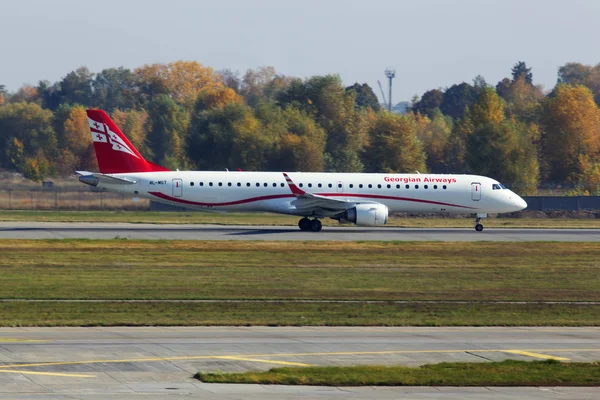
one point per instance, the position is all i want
(114, 151)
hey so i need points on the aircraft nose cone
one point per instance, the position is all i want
(519, 203)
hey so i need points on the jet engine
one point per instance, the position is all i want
(367, 214)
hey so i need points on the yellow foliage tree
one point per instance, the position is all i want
(216, 97)
(487, 109)
(572, 130)
(134, 125)
(77, 131)
(181, 80)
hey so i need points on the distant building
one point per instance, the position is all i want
(402, 108)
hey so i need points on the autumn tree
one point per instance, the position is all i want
(228, 137)
(393, 145)
(571, 131)
(26, 134)
(434, 133)
(77, 150)
(299, 141)
(134, 124)
(181, 80)
(579, 74)
(500, 148)
(335, 110)
(216, 98)
(26, 93)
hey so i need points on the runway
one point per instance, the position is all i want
(65, 230)
(124, 363)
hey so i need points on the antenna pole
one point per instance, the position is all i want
(391, 74)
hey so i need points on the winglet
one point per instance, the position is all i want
(295, 189)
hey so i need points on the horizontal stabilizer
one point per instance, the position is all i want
(93, 178)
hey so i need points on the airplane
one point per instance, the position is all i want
(365, 199)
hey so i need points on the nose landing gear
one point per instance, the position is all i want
(313, 225)
(478, 225)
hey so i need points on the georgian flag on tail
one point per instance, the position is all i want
(102, 133)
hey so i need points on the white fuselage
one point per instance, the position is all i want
(268, 191)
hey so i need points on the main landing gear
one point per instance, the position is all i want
(478, 225)
(313, 225)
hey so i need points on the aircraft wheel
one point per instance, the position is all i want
(316, 225)
(478, 227)
(304, 224)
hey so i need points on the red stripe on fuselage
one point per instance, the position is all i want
(282, 196)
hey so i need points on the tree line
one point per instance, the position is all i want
(185, 115)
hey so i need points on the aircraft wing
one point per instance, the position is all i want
(316, 204)
(104, 178)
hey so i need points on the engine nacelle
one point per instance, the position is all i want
(367, 214)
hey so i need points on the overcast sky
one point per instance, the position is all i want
(430, 43)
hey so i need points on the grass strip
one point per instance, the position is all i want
(161, 270)
(16, 314)
(163, 217)
(505, 373)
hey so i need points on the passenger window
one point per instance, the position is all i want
(319, 185)
(201, 183)
(265, 184)
(330, 185)
(407, 186)
(248, 184)
(239, 184)
(416, 186)
(282, 185)
(425, 187)
(209, 183)
(301, 185)
(310, 185)
(340, 185)
(351, 185)
(257, 184)
(379, 186)
(360, 186)
(444, 187)
(220, 183)
(274, 185)
(191, 183)
(435, 186)
(370, 186)
(397, 186)
(389, 186)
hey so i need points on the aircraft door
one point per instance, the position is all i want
(340, 186)
(475, 191)
(177, 188)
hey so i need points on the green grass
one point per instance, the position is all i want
(126, 269)
(294, 314)
(476, 273)
(505, 373)
(155, 217)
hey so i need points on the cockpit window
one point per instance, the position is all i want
(503, 187)
(496, 186)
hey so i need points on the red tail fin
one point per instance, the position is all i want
(114, 152)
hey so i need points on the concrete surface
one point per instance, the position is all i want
(62, 230)
(158, 362)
